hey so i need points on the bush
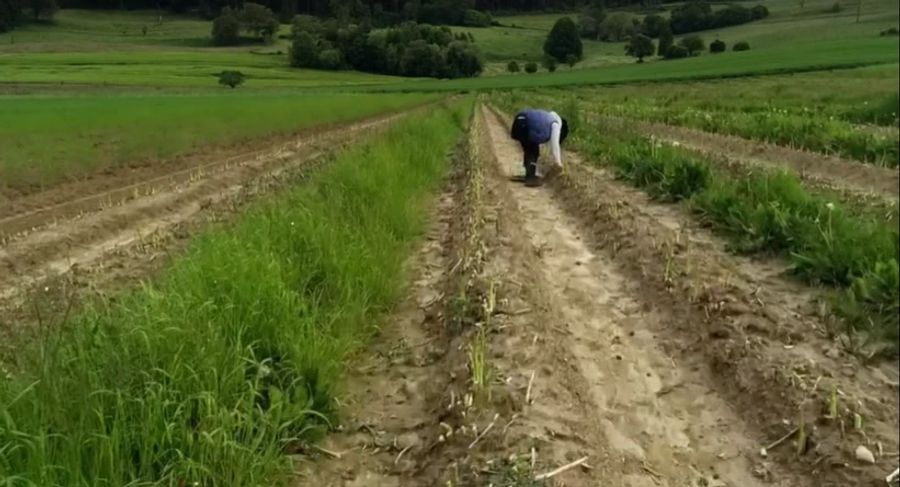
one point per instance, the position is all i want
(890, 32)
(531, 68)
(640, 47)
(421, 59)
(677, 52)
(476, 18)
(331, 59)
(462, 60)
(513, 67)
(231, 79)
(730, 15)
(550, 64)
(304, 51)
(741, 46)
(718, 46)
(690, 17)
(760, 12)
(836, 8)
(564, 41)
(226, 29)
(693, 44)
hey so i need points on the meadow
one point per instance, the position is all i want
(51, 138)
(209, 375)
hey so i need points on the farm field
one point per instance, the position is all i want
(89, 133)
(328, 278)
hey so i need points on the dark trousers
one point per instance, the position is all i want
(532, 151)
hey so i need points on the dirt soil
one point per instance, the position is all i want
(112, 237)
(626, 347)
(841, 174)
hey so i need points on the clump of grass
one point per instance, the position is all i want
(884, 112)
(208, 376)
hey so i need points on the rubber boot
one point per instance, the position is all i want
(531, 178)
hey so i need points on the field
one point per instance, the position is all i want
(336, 279)
(90, 133)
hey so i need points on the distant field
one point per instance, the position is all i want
(521, 37)
(809, 56)
(104, 47)
(501, 45)
(50, 138)
(841, 94)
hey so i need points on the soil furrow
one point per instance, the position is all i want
(661, 421)
(81, 241)
(770, 358)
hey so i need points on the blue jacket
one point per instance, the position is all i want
(539, 125)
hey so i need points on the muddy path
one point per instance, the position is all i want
(123, 239)
(857, 178)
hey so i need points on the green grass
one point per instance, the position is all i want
(51, 138)
(208, 376)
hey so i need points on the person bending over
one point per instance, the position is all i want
(532, 128)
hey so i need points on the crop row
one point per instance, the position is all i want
(764, 211)
(210, 374)
(801, 129)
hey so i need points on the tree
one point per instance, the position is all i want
(259, 21)
(549, 63)
(513, 67)
(761, 11)
(476, 18)
(422, 59)
(10, 14)
(304, 51)
(693, 44)
(741, 46)
(690, 17)
(572, 61)
(463, 60)
(730, 15)
(666, 40)
(564, 41)
(717, 46)
(617, 27)
(42, 9)
(531, 67)
(653, 24)
(677, 52)
(231, 79)
(640, 47)
(590, 19)
(226, 29)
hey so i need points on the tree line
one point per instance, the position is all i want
(409, 49)
(694, 16)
